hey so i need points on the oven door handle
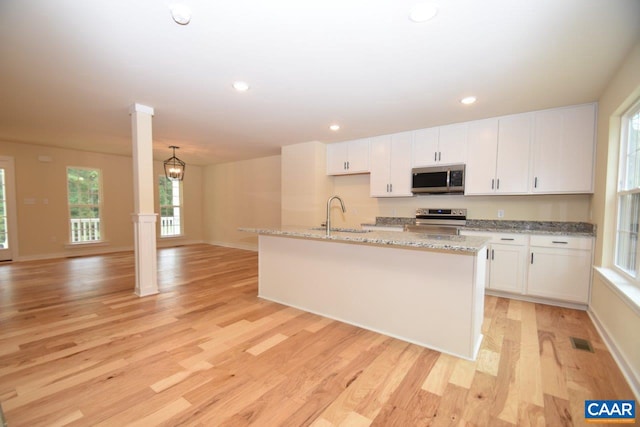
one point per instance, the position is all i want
(448, 179)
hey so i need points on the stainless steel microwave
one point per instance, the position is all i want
(438, 180)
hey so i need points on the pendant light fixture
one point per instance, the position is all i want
(174, 167)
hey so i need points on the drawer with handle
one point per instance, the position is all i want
(563, 242)
(503, 238)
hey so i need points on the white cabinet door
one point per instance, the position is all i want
(498, 156)
(400, 170)
(452, 144)
(358, 160)
(560, 268)
(512, 168)
(482, 150)
(391, 165)
(425, 147)
(506, 260)
(563, 150)
(380, 166)
(349, 157)
(337, 158)
(563, 274)
(508, 264)
(442, 145)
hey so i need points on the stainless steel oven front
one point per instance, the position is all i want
(439, 221)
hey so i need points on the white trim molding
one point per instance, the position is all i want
(617, 318)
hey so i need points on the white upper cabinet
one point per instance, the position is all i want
(563, 150)
(453, 144)
(514, 142)
(348, 157)
(425, 147)
(480, 172)
(440, 145)
(391, 165)
(498, 155)
(541, 152)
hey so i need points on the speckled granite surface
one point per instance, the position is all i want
(390, 220)
(468, 244)
(503, 226)
(533, 227)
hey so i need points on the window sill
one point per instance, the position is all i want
(623, 287)
(177, 236)
(86, 244)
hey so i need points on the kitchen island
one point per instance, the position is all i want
(424, 289)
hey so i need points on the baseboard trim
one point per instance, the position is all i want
(609, 341)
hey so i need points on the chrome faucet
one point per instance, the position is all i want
(328, 222)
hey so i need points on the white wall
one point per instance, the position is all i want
(305, 184)
(611, 311)
(241, 194)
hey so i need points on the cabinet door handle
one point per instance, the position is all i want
(344, 165)
(531, 257)
(535, 182)
(435, 156)
(493, 182)
(506, 238)
(439, 155)
(487, 254)
(498, 184)
(560, 241)
(387, 188)
(348, 165)
(492, 254)
(391, 188)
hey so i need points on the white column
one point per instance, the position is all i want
(144, 217)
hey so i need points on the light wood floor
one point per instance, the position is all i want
(78, 348)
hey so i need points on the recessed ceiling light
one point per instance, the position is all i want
(241, 86)
(422, 12)
(334, 127)
(180, 13)
(468, 100)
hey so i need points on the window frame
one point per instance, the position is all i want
(179, 206)
(99, 206)
(622, 191)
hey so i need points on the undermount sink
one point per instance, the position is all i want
(344, 230)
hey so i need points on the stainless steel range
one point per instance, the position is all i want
(438, 221)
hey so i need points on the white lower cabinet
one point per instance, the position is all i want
(507, 267)
(556, 268)
(506, 261)
(560, 268)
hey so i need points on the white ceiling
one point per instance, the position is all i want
(69, 70)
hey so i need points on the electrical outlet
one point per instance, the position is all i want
(500, 213)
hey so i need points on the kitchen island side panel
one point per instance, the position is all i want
(431, 298)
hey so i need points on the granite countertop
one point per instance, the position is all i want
(463, 244)
(533, 227)
(561, 228)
